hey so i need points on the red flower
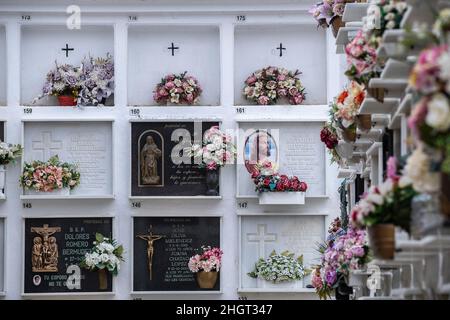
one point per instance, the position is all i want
(342, 96)
(266, 182)
(303, 186)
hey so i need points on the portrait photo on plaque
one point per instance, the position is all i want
(160, 165)
(54, 249)
(162, 248)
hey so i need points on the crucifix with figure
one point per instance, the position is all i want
(261, 237)
(150, 238)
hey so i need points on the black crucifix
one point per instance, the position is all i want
(67, 49)
(173, 48)
(281, 49)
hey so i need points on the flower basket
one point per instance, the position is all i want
(55, 192)
(364, 122)
(207, 280)
(336, 23)
(376, 93)
(67, 101)
(382, 240)
(286, 198)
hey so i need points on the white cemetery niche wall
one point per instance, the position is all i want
(260, 235)
(288, 46)
(88, 145)
(156, 51)
(2, 65)
(2, 256)
(295, 146)
(47, 43)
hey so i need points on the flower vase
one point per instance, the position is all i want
(364, 122)
(342, 291)
(2, 178)
(212, 182)
(336, 23)
(445, 195)
(286, 197)
(102, 279)
(67, 101)
(376, 93)
(382, 240)
(207, 280)
(349, 134)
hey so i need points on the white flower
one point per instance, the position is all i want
(375, 198)
(417, 170)
(104, 257)
(438, 115)
(401, 6)
(390, 25)
(390, 16)
(386, 187)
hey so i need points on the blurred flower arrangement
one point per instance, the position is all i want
(279, 267)
(387, 203)
(329, 137)
(347, 104)
(344, 250)
(50, 175)
(97, 81)
(383, 15)
(217, 149)
(106, 254)
(267, 179)
(266, 86)
(326, 11)
(9, 152)
(209, 260)
(178, 89)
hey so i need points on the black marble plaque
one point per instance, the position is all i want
(181, 236)
(2, 131)
(153, 172)
(48, 267)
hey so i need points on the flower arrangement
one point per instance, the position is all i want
(361, 58)
(64, 80)
(210, 259)
(267, 179)
(325, 11)
(279, 267)
(387, 203)
(266, 86)
(347, 105)
(383, 15)
(48, 176)
(442, 23)
(9, 152)
(329, 137)
(217, 149)
(106, 254)
(344, 250)
(179, 89)
(98, 81)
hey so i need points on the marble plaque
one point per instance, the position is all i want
(53, 249)
(175, 241)
(2, 254)
(155, 171)
(260, 235)
(88, 145)
(299, 152)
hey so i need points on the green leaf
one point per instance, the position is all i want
(98, 237)
(300, 259)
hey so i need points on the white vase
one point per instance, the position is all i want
(344, 149)
(55, 192)
(2, 178)
(282, 198)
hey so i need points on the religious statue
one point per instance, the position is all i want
(149, 155)
(44, 253)
(150, 238)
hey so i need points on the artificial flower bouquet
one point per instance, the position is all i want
(105, 256)
(345, 250)
(267, 179)
(266, 86)
(206, 265)
(383, 15)
(97, 81)
(178, 89)
(9, 152)
(279, 267)
(329, 137)
(217, 149)
(63, 82)
(49, 176)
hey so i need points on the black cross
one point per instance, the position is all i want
(281, 49)
(173, 48)
(67, 49)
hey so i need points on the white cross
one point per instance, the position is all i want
(48, 146)
(261, 238)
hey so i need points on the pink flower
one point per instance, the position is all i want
(211, 165)
(251, 80)
(282, 92)
(169, 85)
(263, 100)
(392, 168)
(281, 77)
(190, 98)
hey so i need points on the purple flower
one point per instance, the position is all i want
(330, 277)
